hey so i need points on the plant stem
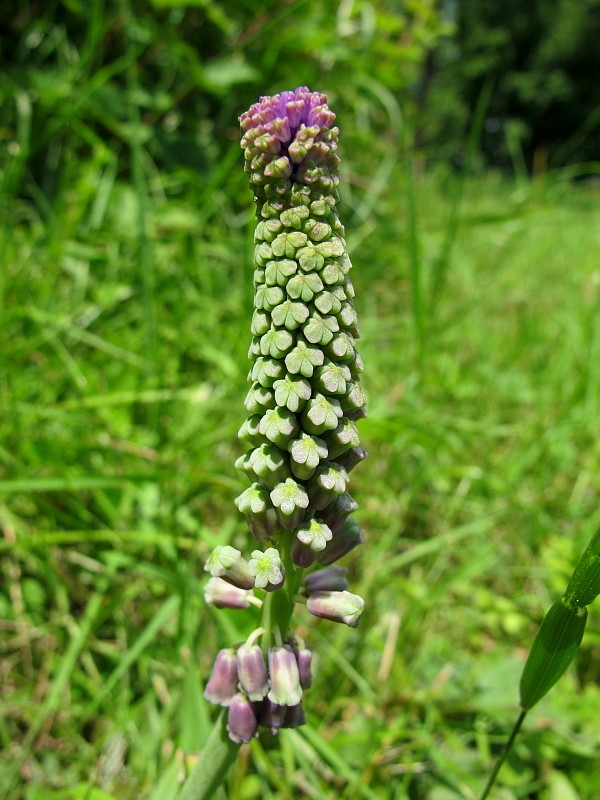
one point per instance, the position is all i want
(217, 756)
(503, 754)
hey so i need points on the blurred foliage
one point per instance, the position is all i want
(542, 61)
(82, 79)
(92, 78)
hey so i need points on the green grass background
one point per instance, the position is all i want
(125, 303)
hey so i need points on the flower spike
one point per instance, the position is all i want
(300, 438)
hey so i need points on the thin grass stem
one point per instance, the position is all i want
(503, 755)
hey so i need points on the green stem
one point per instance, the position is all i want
(217, 756)
(503, 754)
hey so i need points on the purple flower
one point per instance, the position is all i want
(294, 717)
(271, 715)
(344, 540)
(332, 579)
(252, 671)
(337, 606)
(241, 720)
(303, 655)
(285, 679)
(221, 594)
(222, 684)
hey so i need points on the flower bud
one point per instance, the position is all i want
(332, 579)
(271, 715)
(328, 482)
(303, 655)
(227, 563)
(290, 500)
(285, 679)
(241, 720)
(222, 684)
(268, 569)
(343, 541)
(293, 717)
(337, 607)
(220, 594)
(252, 671)
(351, 458)
(314, 534)
(301, 554)
(256, 506)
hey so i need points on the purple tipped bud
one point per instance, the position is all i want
(222, 684)
(294, 717)
(344, 540)
(301, 554)
(315, 534)
(252, 671)
(337, 606)
(256, 506)
(351, 458)
(221, 594)
(271, 715)
(226, 562)
(303, 655)
(267, 568)
(338, 510)
(241, 720)
(285, 679)
(332, 579)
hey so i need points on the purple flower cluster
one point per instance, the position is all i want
(259, 695)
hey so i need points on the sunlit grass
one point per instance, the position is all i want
(480, 490)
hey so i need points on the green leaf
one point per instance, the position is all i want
(553, 649)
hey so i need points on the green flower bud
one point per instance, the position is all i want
(279, 426)
(303, 359)
(255, 504)
(321, 414)
(270, 464)
(279, 272)
(289, 314)
(266, 371)
(227, 563)
(305, 455)
(304, 287)
(344, 437)
(267, 569)
(290, 499)
(314, 534)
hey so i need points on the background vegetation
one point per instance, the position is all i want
(125, 253)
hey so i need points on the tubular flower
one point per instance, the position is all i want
(304, 401)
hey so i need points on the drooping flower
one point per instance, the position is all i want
(222, 684)
(337, 606)
(285, 679)
(242, 724)
(252, 671)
